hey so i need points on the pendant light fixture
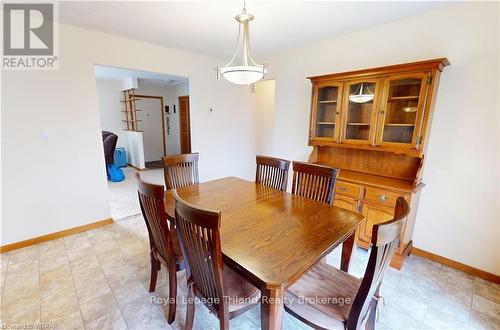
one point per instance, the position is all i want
(360, 97)
(242, 69)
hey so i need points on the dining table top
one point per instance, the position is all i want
(271, 237)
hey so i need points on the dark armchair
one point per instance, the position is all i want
(109, 141)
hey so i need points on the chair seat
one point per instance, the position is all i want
(241, 292)
(323, 296)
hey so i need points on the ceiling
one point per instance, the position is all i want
(152, 78)
(209, 27)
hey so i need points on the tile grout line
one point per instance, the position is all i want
(73, 281)
(138, 277)
(39, 281)
(106, 279)
(5, 282)
(472, 299)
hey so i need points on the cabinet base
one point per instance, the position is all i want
(398, 259)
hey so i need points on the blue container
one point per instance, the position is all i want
(120, 157)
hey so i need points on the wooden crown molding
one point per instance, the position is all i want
(52, 236)
(438, 64)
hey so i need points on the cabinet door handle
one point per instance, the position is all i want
(342, 188)
(382, 198)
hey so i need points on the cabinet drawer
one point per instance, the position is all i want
(347, 189)
(381, 196)
(347, 203)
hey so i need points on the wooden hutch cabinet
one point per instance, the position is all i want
(374, 125)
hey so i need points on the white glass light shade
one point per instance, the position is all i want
(243, 75)
(361, 98)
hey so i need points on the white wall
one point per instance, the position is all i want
(50, 184)
(458, 216)
(264, 102)
(170, 97)
(110, 105)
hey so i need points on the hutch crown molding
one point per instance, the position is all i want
(374, 125)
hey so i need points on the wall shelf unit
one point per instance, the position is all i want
(130, 110)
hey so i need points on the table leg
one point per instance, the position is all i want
(347, 248)
(272, 308)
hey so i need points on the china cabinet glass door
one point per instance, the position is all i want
(402, 108)
(326, 114)
(360, 111)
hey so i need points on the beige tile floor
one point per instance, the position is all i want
(99, 279)
(123, 195)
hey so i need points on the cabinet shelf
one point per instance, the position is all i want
(358, 124)
(327, 101)
(325, 123)
(411, 97)
(400, 125)
(131, 100)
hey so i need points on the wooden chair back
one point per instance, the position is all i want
(199, 235)
(385, 239)
(314, 181)
(181, 170)
(153, 211)
(272, 172)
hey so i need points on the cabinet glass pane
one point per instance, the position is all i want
(401, 110)
(359, 111)
(326, 111)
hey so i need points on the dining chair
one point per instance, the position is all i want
(272, 172)
(314, 181)
(225, 293)
(181, 170)
(333, 299)
(163, 243)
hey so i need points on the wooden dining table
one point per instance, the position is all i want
(271, 237)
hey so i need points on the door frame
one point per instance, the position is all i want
(161, 115)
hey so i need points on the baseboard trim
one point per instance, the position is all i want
(51, 236)
(456, 265)
(137, 168)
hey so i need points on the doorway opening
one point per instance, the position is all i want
(143, 109)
